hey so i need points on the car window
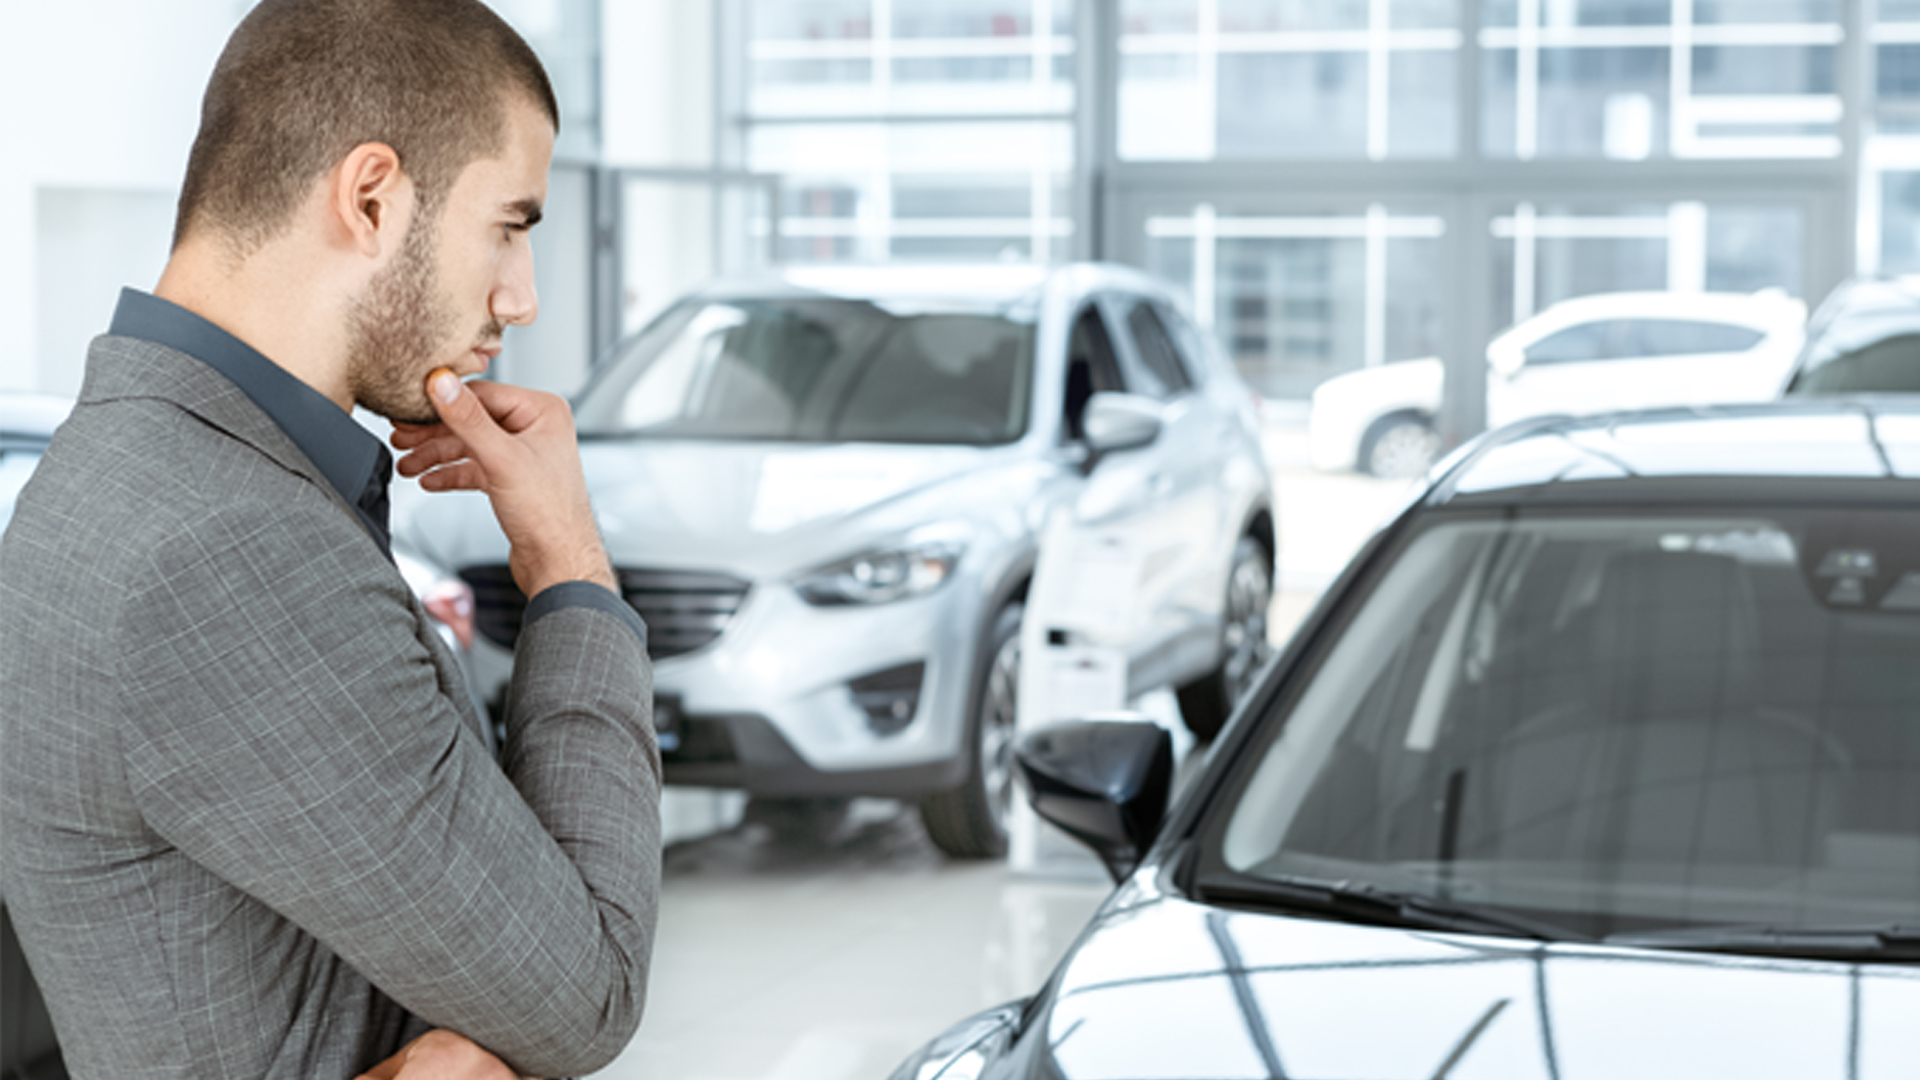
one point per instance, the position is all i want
(1578, 344)
(1091, 367)
(819, 370)
(1688, 337)
(1639, 339)
(1619, 721)
(1165, 376)
(1187, 341)
(16, 465)
(1890, 366)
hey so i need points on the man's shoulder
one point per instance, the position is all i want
(129, 487)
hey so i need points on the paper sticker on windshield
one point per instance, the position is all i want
(1849, 562)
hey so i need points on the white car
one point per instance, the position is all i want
(824, 493)
(1588, 355)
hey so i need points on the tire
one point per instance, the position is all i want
(970, 821)
(1399, 446)
(1206, 702)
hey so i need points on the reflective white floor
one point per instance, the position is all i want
(788, 958)
(833, 953)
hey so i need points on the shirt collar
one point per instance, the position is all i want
(348, 455)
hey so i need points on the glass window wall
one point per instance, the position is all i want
(1631, 80)
(1254, 79)
(938, 129)
(1298, 298)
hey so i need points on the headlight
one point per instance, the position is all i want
(966, 1049)
(880, 577)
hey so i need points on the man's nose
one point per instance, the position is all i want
(515, 300)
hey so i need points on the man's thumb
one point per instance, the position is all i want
(460, 409)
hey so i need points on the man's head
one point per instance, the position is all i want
(379, 161)
(303, 82)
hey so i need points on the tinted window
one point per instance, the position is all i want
(1091, 368)
(819, 370)
(1685, 337)
(1634, 339)
(1578, 344)
(1157, 353)
(1886, 367)
(1616, 722)
(16, 465)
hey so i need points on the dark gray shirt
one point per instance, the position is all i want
(348, 455)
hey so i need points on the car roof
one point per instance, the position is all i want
(963, 283)
(1765, 306)
(33, 415)
(1838, 449)
(1860, 313)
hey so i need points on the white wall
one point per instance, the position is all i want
(104, 100)
(657, 82)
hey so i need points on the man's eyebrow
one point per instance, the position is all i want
(528, 209)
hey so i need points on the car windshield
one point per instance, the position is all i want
(1616, 723)
(816, 369)
(1887, 366)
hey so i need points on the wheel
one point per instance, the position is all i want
(1399, 446)
(1206, 702)
(970, 821)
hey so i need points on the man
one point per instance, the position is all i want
(251, 829)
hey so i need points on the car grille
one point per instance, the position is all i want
(684, 610)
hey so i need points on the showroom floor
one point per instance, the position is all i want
(830, 953)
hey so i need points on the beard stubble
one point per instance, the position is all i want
(396, 329)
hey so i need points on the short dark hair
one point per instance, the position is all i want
(303, 82)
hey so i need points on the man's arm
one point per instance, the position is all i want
(292, 738)
(288, 733)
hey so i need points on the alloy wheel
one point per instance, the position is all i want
(1249, 595)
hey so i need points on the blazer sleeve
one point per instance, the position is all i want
(287, 731)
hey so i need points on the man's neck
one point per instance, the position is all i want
(270, 301)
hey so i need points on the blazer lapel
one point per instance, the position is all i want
(119, 368)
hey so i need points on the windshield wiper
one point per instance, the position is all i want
(1362, 902)
(1874, 943)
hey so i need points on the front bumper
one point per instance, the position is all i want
(769, 706)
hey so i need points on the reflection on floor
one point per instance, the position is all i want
(829, 943)
(788, 951)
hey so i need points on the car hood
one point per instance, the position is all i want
(752, 508)
(1169, 988)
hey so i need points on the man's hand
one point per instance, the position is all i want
(441, 1055)
(518, 447)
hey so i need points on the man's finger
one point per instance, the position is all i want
(406, 436)
(462, 411)
(437, 451)
(461, 476)
(514, 408)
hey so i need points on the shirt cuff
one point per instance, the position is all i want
(586, 594)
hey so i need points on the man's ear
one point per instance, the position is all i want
(369, 198)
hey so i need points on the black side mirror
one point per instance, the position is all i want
(1103, 782)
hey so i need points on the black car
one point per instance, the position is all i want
(1602, 760)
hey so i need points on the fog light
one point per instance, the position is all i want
(890, 697)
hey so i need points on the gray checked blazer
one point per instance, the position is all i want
(250, 828)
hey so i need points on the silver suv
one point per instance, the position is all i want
(824, 493)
